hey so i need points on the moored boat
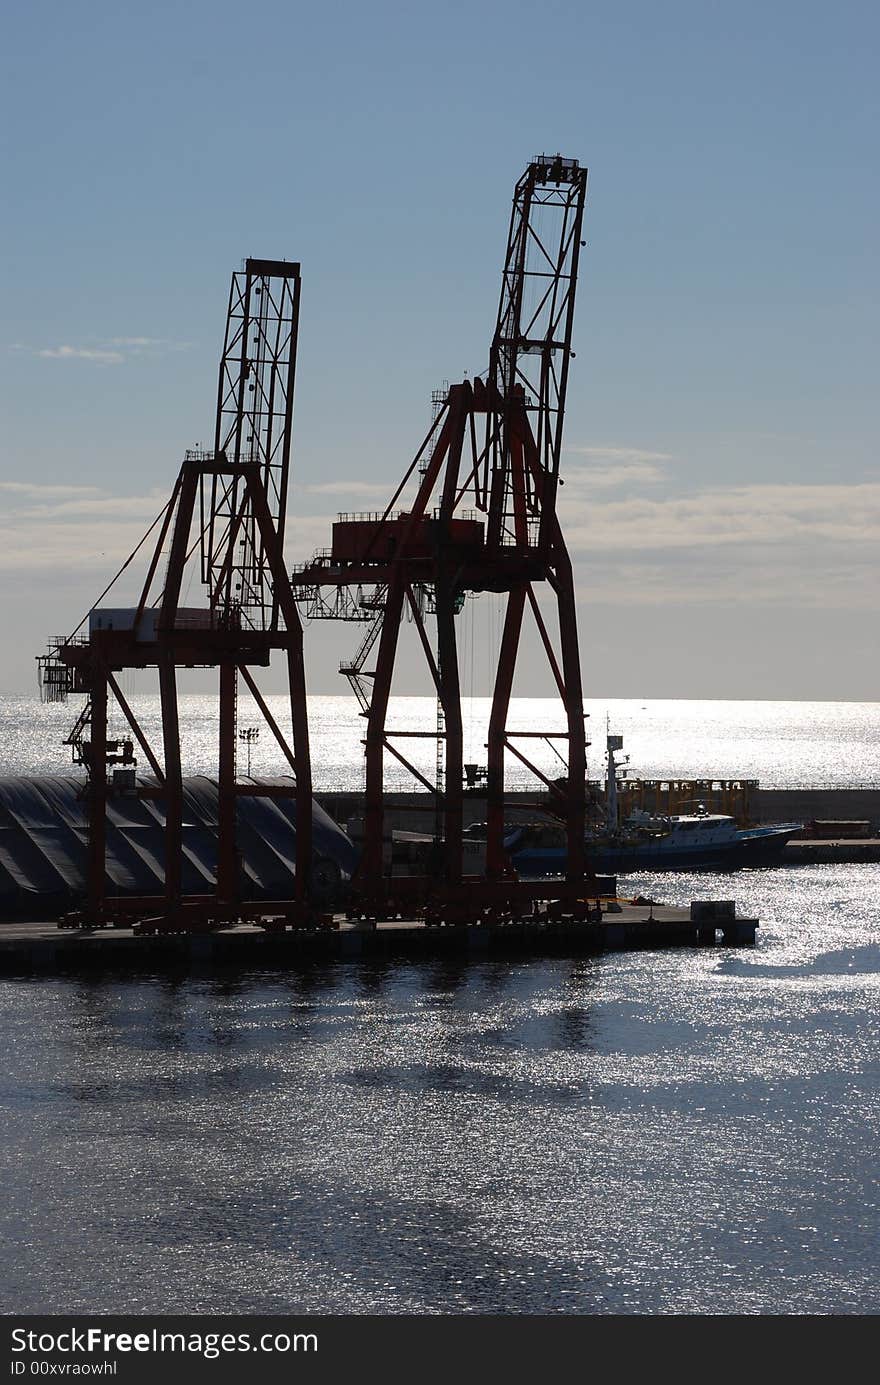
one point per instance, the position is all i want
(694, 841)
(700, 840)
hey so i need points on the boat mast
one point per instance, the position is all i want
(613, 743)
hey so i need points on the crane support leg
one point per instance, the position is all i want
(227, 864)
(370, 869)
(283, 600)
(450, 698)
(296, 678)
(98, 798)
(173, 784)
(498, 729)
(574, 707)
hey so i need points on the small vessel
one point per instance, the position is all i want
(693, 841)
(684, 841)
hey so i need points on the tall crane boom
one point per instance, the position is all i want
(531, 346)
(482, 519)
(228, 504)
(254, 425)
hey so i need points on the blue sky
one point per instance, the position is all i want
(723, 496)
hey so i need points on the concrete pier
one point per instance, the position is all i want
(43, 948)
(845, 851)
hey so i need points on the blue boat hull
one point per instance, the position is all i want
(755, 847)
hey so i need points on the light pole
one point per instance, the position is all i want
(249, 734)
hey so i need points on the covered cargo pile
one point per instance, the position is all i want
(44, 844)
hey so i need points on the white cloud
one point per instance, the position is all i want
(39, 488)
(98, 506)
(112, 351)
(350, 488)
(620, 454)
(608, 477)
(63, 547)
(70, 528)
(748, 578)
(95, 532)
(607, 468)
(80, 353)
(809, 545)
(804, 545)
(135, 345)
(304, 534)
(137, 341)
(763, 514)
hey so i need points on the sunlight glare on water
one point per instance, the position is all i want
(691, 1130)
(782, 744)
(679, 1131)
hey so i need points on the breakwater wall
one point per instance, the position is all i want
(413, 812)
(811, 804)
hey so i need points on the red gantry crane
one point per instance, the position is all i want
(226, 512)
(483, 519)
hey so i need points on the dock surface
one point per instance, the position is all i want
(805, 851)
(43, 947)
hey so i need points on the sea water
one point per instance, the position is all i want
(693, 1130)
(782, 744)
